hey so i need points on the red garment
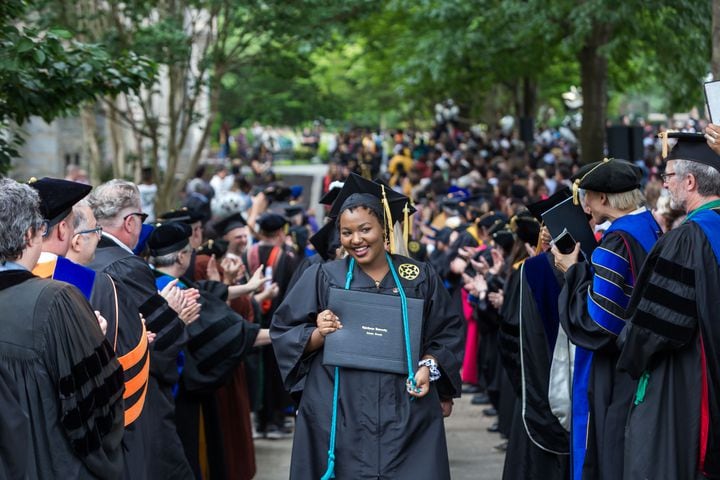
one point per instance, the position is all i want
(470, 364)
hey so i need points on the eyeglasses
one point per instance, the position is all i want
(97, 231)
(143, 216)
(666, 175)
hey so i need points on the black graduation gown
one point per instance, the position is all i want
(609, 392)
(674, 337)
(272, 401)
(67, 380)
(218, 342)
(136, 289)
(538, 447)
(14, 429)
(380, 432)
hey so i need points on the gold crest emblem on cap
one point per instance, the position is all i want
(408, 271)
(414, 246)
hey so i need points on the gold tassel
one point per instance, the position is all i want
(406, 224)
(388, 220)
(576, 183)
(576, 192)
(538, 246)
(664, 140)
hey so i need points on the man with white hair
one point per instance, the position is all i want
(68, 381)
(672, 338)
(116, 206)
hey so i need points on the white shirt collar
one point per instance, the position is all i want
(118, 242)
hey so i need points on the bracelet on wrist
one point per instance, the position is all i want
(432, 366)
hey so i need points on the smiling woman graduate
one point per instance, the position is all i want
(358, 421)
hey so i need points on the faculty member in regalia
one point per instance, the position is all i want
(65, 374)
(673, 335)
(592, 311)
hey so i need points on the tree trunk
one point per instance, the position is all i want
(716, 39)
(117, 141)
(87, 117)
(593, 74)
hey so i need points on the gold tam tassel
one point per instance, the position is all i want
(664, 140)
(388, 221)
(406, 224)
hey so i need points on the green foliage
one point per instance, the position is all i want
(45, 72)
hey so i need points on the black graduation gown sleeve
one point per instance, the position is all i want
(14, 430)
(218, 342)
(160, 319)
(444, 335)
(291, 335)
(90, 382)
(581, 329)
(663, 305)
(509, 336)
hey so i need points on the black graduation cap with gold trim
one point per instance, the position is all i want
(229, 223)
(213, 247)
(184, 215)
(395, 206)
(607, 176)
(169, 238)
(689, 146)
(57, 197)
(526, 227)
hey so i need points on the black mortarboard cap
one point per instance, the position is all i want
(526, 227)
(693, 147)
(271, 222)
(213, 247)
(326, 241)
(518, 191)
(538, 208)
(499, 224)
(293, 210)
(417, 250)
(443, 236)
(168, 238)
(231, 222)
(300, 234)
(504, 238)
(57, 197)
(185, 215)
(330, 196)
(357, 184)
(490, 218)
(608, 176)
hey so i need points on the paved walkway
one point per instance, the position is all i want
(470, 446)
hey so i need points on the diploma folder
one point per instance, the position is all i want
(372, 336)
(568, 216)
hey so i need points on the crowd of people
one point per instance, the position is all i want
(149, 344)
